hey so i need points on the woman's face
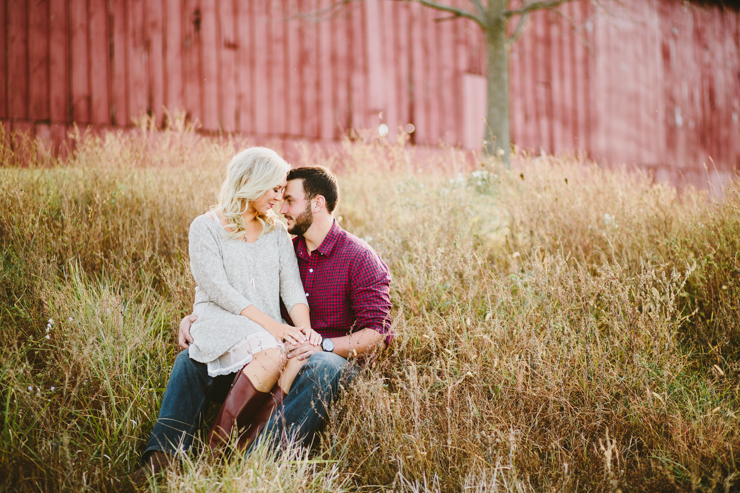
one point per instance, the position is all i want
(268, 199)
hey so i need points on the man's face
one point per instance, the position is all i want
(296, 209)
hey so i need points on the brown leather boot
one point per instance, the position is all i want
(157, 462)
(242, 401)
(260, 418)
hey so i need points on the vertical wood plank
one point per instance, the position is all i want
(539, 108)
(446, 88)
(358, 71)
(516, 98)
(191, 19)
(341, 42)
(722, 91)
(602, 99)
(174, 96)
(244, 31)
(735, 115)
(589, 64)
(695, 145)
(431, 90)
(310, 73)
(99, 73)
(426, 67)
(658, 109)
(650, 127)
(571, 71)
(555, 56)
(389, 56)
(59, 62)
(4, 65)
(293, 73)
(376, 78)
(154, 36)
(38, 51)
(228, 46)
(325, 78)
(416, 97)
(80, 64)
(59, 137)
(43, 137)
(136, 57)
(731, 52)
(294, 84)
(474, 110)
(119, 79)
(262, 71)
(529, 137)
(544, 82)
(461, 68)
(17, 13)
(277, 63)
(403, 58)
(210, 65)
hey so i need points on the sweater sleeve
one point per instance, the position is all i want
(207, 266)
(291, 287)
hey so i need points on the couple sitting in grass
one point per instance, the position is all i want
(282, 377)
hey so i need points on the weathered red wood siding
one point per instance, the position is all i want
(654, 83)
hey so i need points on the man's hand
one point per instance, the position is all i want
(302, 351)
(183, 334)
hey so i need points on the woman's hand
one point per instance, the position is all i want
(314, 338)
(288, 333)
(184, 338)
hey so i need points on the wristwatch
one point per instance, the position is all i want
(327, 344)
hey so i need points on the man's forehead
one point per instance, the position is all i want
(294, 188)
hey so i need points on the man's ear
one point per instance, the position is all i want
(320, 202)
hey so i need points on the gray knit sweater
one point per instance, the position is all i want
(233, 274)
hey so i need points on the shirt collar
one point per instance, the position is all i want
(326, 246)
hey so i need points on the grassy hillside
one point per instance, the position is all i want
(559, 328)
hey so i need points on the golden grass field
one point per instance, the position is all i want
(560, 327)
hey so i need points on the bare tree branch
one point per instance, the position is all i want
(329, 12)
(519, 28)
(458, 12)
(480, 8)
(576, 28)
(532, 6)
(450, 18)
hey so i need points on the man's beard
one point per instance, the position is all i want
(302, 222)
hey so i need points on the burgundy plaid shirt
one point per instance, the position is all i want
(347, 285)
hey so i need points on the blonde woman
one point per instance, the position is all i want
(244, 264)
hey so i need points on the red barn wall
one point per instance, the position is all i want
(655, 83)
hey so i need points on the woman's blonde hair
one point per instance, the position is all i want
(250, 174)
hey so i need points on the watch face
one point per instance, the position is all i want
(327, 345)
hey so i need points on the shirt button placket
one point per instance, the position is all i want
(309, 284)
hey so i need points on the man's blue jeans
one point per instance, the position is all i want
(315, 388)
(190, 390)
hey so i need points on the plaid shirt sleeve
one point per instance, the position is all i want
(370, 294)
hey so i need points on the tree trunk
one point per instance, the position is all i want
(497, 115)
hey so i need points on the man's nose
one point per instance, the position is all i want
(283, 208)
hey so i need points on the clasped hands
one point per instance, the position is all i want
(300, 342)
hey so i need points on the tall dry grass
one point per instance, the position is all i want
(559, 328)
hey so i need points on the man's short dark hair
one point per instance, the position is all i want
(318, 180)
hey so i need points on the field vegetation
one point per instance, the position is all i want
(560, 327)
